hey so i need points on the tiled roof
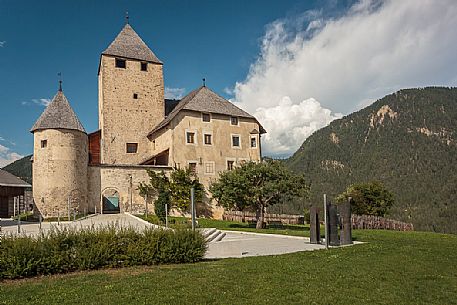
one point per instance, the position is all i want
(128, 44)
(204, 100)
(58, 115)
(7, 179)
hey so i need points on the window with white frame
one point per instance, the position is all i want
(208, 139)
(236, 141)
(209, 167)
(190, 137)
(253, 142)
(206, 117)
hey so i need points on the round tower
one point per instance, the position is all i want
(60, 161)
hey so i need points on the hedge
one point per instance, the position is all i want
(67, 250)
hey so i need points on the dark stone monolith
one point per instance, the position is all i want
(314, 226)
(346, 223)
(333, 225)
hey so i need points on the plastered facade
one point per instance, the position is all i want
(60, 172)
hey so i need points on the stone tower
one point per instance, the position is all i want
(131, 98)
(60, 160)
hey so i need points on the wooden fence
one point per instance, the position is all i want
(358, 221)
(381, 223)
(250, 217)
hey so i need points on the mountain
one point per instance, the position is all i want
(21, 168)
(407, 140)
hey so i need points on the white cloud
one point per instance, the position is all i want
(375, 48)
(37, 101)
(174, 93)
(288, 124)
(7, 156)
(2, 44)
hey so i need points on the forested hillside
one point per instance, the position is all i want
(407, 140)
(21, 168)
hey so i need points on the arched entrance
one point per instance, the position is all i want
(110, 201)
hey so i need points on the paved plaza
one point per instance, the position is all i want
(233, 244)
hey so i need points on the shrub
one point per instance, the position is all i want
(159, 205)
(61, 251)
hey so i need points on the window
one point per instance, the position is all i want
(230, 164)
(135, 96)
(206, 117)
(236, 141)
(193, 167)
(208, 139)
(190, 137)
(132, 148)
(253, 142)
(234, 120)
(209, 168)
(44, 143)
(144, 66)
(120, 63)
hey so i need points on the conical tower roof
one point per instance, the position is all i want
(128, 44)
(58, 115)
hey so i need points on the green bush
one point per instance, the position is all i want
(163, 200)
(61, 251)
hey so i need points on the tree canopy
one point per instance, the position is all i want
(255, 186)
(369, 198)
(177, 186)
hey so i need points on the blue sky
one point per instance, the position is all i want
(273, 58)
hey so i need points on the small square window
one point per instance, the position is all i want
(190, 137)
(120, 63)
(193, 167)
(206, 117)
(209, 167)
(144, 66)
(44, 143)
(236, 141)
(135, 96)
(132, 148)
(253, 142)
(208, 139)
(230, 164)
(233, 120)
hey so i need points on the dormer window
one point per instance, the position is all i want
(144, 66)
(120, 63)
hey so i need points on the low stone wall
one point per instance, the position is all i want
(380, 223)
(250, 216)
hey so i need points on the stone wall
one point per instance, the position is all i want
(106, 178)
(60, 171)
(124, 119)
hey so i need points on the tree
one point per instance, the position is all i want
(257, 185)
(369, 198)
(177, 187)
(162, 204)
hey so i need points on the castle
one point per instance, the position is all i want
(138, 130)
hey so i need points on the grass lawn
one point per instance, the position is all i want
(391, 268)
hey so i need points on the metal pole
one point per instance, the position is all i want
(146, 205)
(69, 215)
(166, 215)
(325, 221)
(131, 185)
(18, 216)
(192, 205)
(58, 217)
(40, 220)
(14, 206)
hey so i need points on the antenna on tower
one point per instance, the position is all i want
(204, 82)
(60, 81)
(127, 17)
